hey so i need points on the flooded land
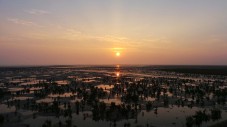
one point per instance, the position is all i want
(113, 96)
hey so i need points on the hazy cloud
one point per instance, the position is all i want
(23, 22)
(38, 12)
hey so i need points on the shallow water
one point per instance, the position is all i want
(74, 85)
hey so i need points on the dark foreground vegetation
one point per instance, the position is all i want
(119, 96)
(205, 70)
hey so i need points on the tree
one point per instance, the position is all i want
(2, 119)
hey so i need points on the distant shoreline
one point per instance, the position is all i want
(142, 65)
(186, 69)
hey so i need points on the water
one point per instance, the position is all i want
(78, 93)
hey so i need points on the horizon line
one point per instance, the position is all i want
(52, 65)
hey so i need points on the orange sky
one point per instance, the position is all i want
(52, 32)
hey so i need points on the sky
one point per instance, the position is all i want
(70, 32)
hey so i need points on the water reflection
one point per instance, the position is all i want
(110, 96)
(118, 74)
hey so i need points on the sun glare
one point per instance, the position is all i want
(118, 74)
(118, 53)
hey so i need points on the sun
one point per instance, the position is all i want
(118, 53)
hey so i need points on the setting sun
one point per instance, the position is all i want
(118, 53)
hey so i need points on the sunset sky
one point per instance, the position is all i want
(53, 32)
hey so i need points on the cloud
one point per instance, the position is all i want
(158, 42)
(23, 22)
(38, 12)
(72, 34)
(106, 40)
(111, 38)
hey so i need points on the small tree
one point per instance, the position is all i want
(2, 119)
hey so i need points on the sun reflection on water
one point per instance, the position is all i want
(118, 74)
